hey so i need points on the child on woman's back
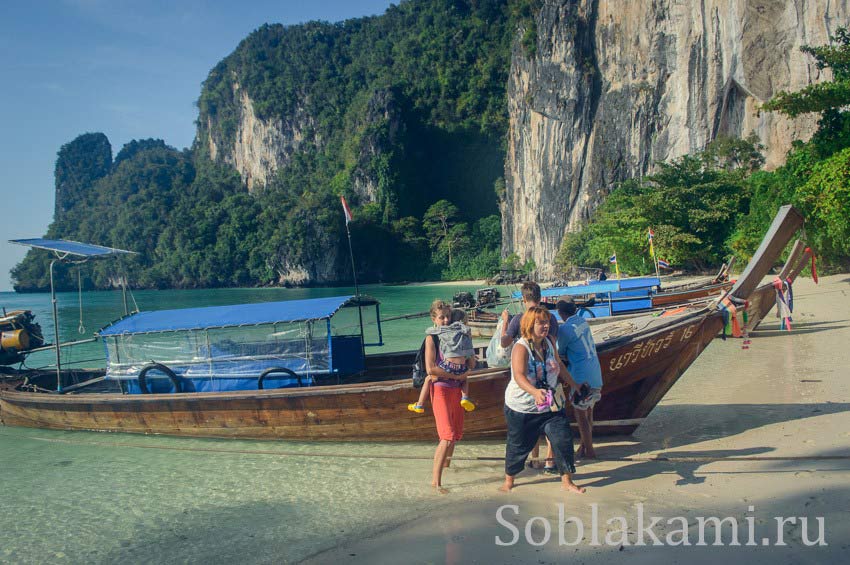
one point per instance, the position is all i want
(455, 355)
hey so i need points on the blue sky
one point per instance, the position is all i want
(128, 69)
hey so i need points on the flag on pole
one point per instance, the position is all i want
(613, 259)
(346, 210)
(649, 236)
(663, 264)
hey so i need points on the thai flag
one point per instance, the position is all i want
(612, 258)
(663, 264)
(346, 210)
(650, 235)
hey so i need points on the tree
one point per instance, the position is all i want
(438, 222)
(825, 201)
(690, 203)
(456, 241)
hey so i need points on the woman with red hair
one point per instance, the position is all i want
(532, 404)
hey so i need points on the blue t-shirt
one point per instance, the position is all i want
(575, 344)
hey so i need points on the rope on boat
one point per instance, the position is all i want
(661, 458)
(428, 312)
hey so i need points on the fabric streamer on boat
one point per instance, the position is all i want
(671, 458)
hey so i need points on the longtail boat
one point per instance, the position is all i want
(641, 359)
(600, 300)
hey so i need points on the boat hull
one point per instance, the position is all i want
(663, 299)
(637, 371)
(483, 324)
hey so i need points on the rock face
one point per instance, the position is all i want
(615, 87)
(380, 126)
(261, 147)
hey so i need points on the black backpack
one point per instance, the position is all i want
(419, 371)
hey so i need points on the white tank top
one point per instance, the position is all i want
(517, 399)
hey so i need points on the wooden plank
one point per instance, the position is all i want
(786, 223)
(793, 257)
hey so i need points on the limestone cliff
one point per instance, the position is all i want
(614, 87)
(259, 147)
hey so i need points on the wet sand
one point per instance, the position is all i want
(753, 435)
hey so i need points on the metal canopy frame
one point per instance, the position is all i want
(71, 252)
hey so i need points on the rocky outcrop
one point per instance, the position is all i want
(260, 147)
(380, 126)
(615, 87)
(79, 164)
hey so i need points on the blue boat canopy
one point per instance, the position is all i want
(64, 247)
(602, 287)
(579, 290)
(186, 319)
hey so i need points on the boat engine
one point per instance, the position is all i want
(487, 296)
(19, 333)
(463, 300)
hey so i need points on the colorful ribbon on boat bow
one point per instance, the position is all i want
(814, 270)
(784, 301)
(730, 312)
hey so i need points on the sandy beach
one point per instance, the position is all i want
(759, 438)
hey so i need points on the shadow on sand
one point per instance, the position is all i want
(677, 425)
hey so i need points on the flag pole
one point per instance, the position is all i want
(347, 212)
(351, 254)
(652, 253)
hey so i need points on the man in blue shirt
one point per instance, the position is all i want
(577, 349)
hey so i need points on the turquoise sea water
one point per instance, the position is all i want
(99, 308)
(82, 497)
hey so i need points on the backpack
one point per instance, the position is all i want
(419, 371)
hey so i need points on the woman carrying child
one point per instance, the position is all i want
(455, 355)
(447, 369)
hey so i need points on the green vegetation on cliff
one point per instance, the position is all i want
(396, 112)
(717, 202)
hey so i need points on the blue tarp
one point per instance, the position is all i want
(639, 282)
(186, 319)
(64, 247)
(593, 288)
(602, 287)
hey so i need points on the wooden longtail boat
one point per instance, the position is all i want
(641, 359)
(673, 297)
(483, 322)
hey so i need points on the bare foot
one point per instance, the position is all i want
(508, 485)
(439, 489)
(568, 484)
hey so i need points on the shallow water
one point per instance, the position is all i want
(103, 498)
(99, 308)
